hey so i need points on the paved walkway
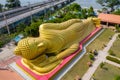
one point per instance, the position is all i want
(113, 63)
(115, 57)
(100, 58)
(7, 56)
(7, 51)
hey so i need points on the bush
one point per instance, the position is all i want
(113, 59)
(5, 38)
(91, 57)
(102, 64)
(1, 44)
(117, 78)
(95, 52)
(117, 28)
(119, 35)
(111, 53)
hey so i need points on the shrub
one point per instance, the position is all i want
(119, 35)
(111, 53)
(113, 59)
(91, 57)
(102, 64)
(95, 52)
(1, 44)
(117, 78)
(117, 28)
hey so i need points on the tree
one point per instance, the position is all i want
(75, 7)
(112, 4)
(117, 12)
(90, 11)
(20, 27)
(33, 29)
(1, 7)
(84, 13)
(12, 4)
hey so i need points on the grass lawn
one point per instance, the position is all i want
(115, 49)
(78, 69)
(102, 40)
(109, 73)
(81, 67)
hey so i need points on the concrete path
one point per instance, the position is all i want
(100, 58)
(7, 51)
(113, 63)
(115, 57)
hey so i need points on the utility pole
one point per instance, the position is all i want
(6, 23)
(30, 11)
(16, 4)
(45, 15)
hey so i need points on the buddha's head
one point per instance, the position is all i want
(30, 48)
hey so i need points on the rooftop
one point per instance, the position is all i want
(111, 18)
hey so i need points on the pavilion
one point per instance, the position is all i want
(109, 19)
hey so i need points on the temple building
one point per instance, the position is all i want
(109, 19)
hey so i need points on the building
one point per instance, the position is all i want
(109, 19)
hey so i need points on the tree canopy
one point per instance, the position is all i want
(112, 4)
(12, 3)
(117, 12)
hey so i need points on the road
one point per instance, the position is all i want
(24, 15)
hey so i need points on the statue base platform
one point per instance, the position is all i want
(32, 75)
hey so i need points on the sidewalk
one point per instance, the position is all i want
(113, 63)
(99, 59)
(115, 57)
(6, 55)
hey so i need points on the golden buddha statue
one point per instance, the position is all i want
(56, 41)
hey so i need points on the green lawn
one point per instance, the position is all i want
(109, 72)
(102, 40)
(81, 67)
(78, 69)
(115, 49)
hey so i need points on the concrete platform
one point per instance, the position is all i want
(22, 73)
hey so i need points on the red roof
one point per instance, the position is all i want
(111, 18)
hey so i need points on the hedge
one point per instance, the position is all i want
(113, 59)
(119, 35)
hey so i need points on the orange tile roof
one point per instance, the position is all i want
(111, 18)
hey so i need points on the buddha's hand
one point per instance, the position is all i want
(48, 61)
(52, 59)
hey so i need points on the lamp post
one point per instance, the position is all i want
(30, 11)
(6, 23)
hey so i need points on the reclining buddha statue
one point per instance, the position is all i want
(55, 42)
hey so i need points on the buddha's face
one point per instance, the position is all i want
(30, 48)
